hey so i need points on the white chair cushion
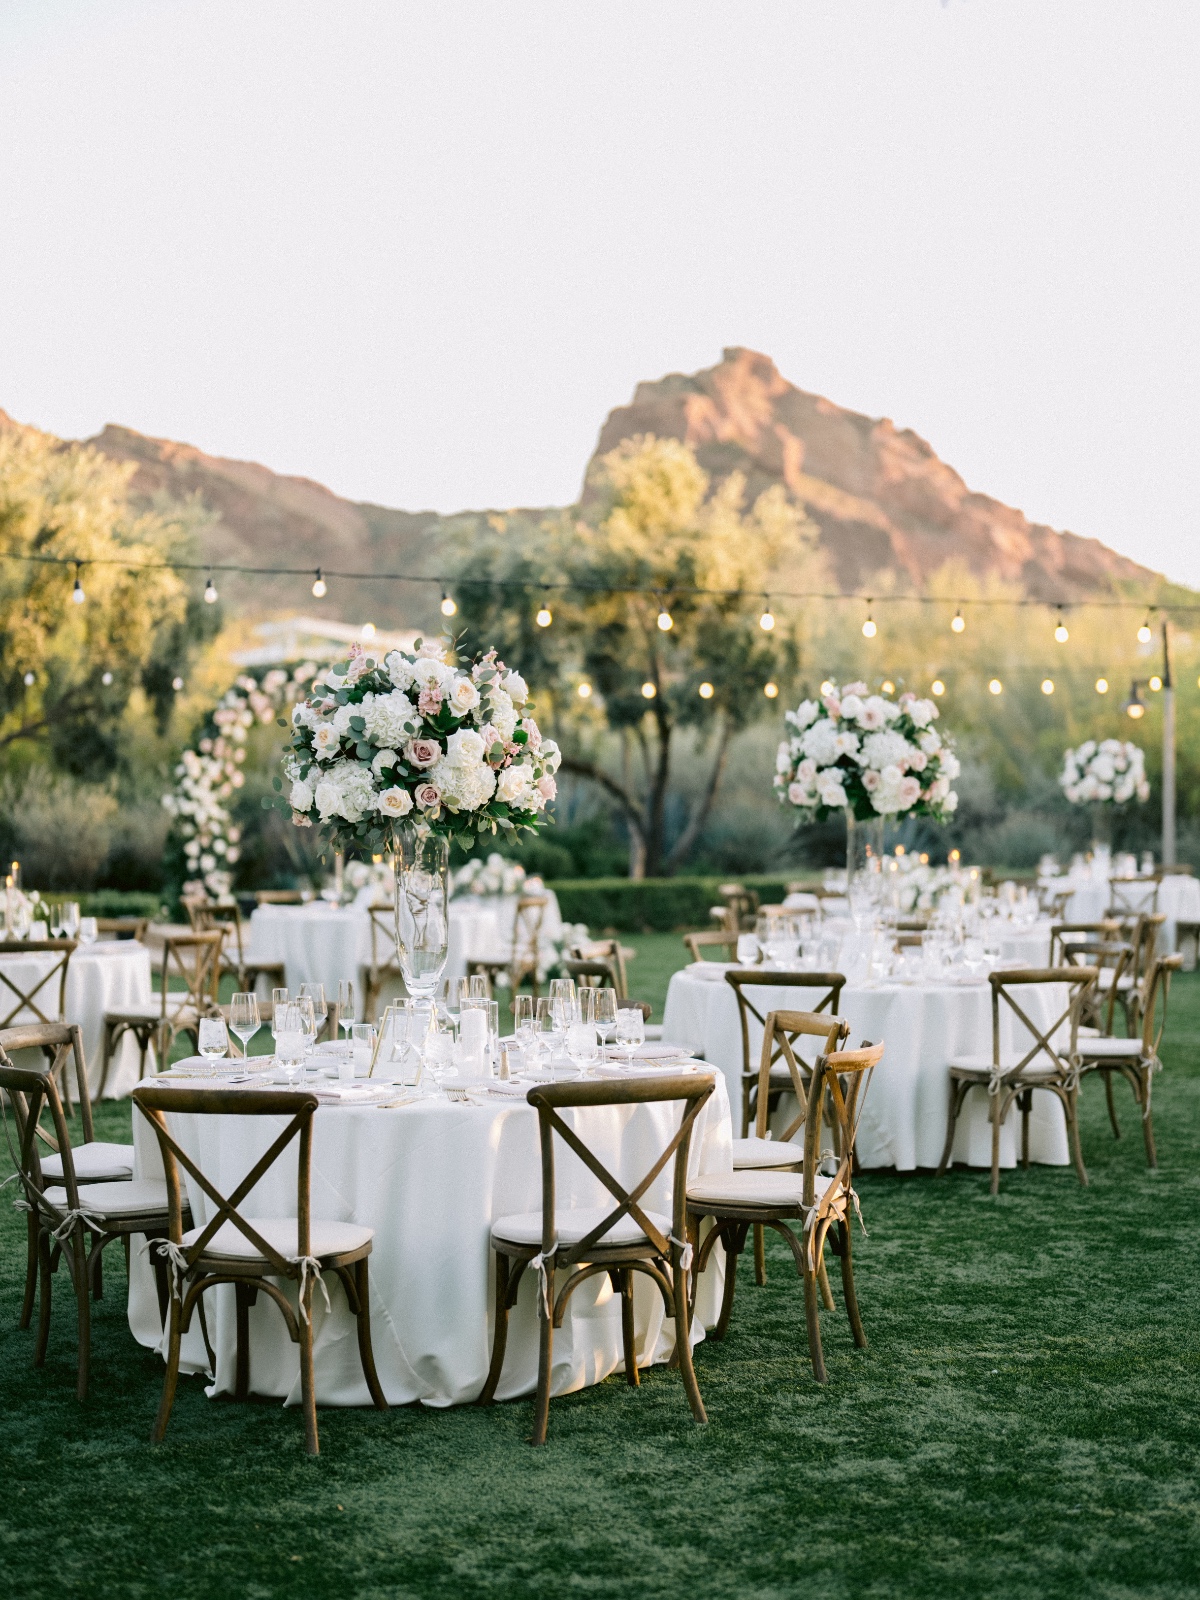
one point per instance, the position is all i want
(95, 1163)
(1114, 1049)
(116, 1200)
(754, 1188)
(324, 1238)
(525, 1227)
(752, 1153)
(1039, 1067)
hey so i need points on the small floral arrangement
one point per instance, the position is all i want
(1112, 772)
(495, 876)
(866, 754)
(415, 739)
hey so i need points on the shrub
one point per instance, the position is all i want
(651, 905)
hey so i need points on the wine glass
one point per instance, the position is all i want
(306, 1012)
(244, 1019)
(290, 1038)
(478, 986)
(345, 1002)
(279, 999)
(581, 1045)
(562, 999)
(585, 1004)
(631, 1031)
(523, 1018)
(545, 1026)
(606, 1013)
(69, 918)
(213, 1038)
(316, 993)
(88, 930)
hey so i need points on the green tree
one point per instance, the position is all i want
(652, 539)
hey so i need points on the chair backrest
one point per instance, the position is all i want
(612, 953)
(384, 955)
(154, 1102)
(278, 897)
(696, 942)
(1006, 997)
(1063, 934)
(1105, 956)
(38, 994)
(836, 1091)
(1157, 986)
(527, 929)
(590, 974)
(828, 984)
(693, 1088)
(1146, 943)
(741, 906)
(122, 927)
(1132, 895)
(196, 959)
(780, 1033)
(62, 1044)
(205, 915)
(1054, 901)
(30, 1092)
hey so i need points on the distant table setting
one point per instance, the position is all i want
(1093, 891)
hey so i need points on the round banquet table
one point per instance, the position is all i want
(100, 977)
(319, 943)
(904, 1112)
(431, 1177)
(1178, 898)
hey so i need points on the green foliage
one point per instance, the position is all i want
(651, 904)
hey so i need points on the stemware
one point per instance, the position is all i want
(244, 1019)
(422, 909)
(545, 1026)
(562, 999)
(523, 1018)
(747, 949)
(290, 1038)
(606, 1013)
(478, 986)
(279, 999)
(585, 1005)
(581, 1045)
(213, 1038)
(315, 992)
(631, 1031)
(345, 1002)
(69, 918)
(88, 930)
(306, 1012)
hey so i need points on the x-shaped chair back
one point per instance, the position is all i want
(196, 959)
(1157, 983)
(780, 1033)
(693, 1088)
(527, 929)
(62, 1045)
(204, 916)
(1005, 988)
(1105, 956)
(154, 1103)
(1133, 896)
(836, 1092)
(1064, 934)
(696, 942)
(14, 998)
(831, 983)
(384, 955)
(597, 956)
(31, 1092)
(591, 974)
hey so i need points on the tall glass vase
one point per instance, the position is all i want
(864, 853)
(422, 909)
(1102, 821)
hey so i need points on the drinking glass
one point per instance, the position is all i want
(290, 1038)
(606, 1012)
(493, 1013)
(214, 1040)
(523, 1018)
(545, 1027)
(363, 1046)
(562, 998)
(87, 930)
(478, 986)
(747, 949)
(316, 993)
(279, 999)
(346, 1004)
(631, 1031)
(244, 1019)
(585, 1004)
(422, 910)
(69, 917)
(581, 1046)
(307, 1015)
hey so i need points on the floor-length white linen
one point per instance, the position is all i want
(319, 943)
(1178, 898)
(904, 1112)
(431, 1178)
(100, 977)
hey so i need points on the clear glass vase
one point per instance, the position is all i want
(864, 854)
(422, 910)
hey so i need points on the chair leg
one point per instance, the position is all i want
(1146, 1080)
(105, 1055)
(994, 1109)
(1026, 1105)
(1072, 1109)
(43, 1333)
(760, 1254)
(541, 1410)
(733, 1245)
(242, 1302)
(627, 1330)
(500, 1331)
(823, 1285)
(308, 1387)
(31, 1268)
(98, 1275)
(956, 1099)
(171, 1376)
(366, 1354)
(849, 1294)
(812, 1317)
(683, 1342)
(1112, 1108)
(83, 1299)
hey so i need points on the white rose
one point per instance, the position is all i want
(383, 761)
(804, 715)
(326, 741)
(394, 802)
(341, 717)
(464, 697)
(851, 707)
(950, 765)
(301, 796)
(430, 672)
(930, 741)
(783, 757)
(464, 748)
(515, 688)
(800, 795)
(514, 785)
(551, 755)
(846, 744)
(922, 712)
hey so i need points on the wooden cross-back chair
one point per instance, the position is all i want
(829, 986)
(249, 1251)
(1113, 962)
(384, 966)
(1136, 1059)
(614, 954)
(122, 927)
(1012, 1076)
(278, 897)
(1065, 934)
(207, 915)
(617, 1240)
(1132, 897)
(521, 962)
(820, 1198)
(194, 959)
(1054, 902)
(44, 1000)
(62, 1211)
(711, 939)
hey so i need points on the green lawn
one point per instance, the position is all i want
(1024, 1423)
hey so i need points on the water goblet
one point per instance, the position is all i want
(316, 993)
(213, 1038)
(279, 999)
(290, 1039)
(345, 1002)
(631, 1032)
(606, 1013)
(307, 1015)
(69, 918)
(88, 931)
(581, 1046)
(244, 1019)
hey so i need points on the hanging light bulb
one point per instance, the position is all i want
(77, 593)
(177, 684)
(544, 617)
(957, 623)
(1060, 632)
(1144, 634)
(1135, 706)
(869, 629)
(827, 687)
(1156, 683)
(1101, 685)
(665, 620)
(210, 591)
(367, 630)
(320, 589)
(584, 690)
(30, 680)
(766, 622)
(888, 686)
(770, 690)
(706, 691)
(1047, 685)
(106, 679)
(448, 605)
(995, 687)
(649, 690)
(938, 686)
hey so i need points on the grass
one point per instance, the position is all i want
(1023, 1424)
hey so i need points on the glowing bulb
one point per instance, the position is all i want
(77, 593)
(869, 628)
(367, 631)
(448, 605)
(1156, 683)
(995, 687)
(544, 617)
(938, 686)
(827, 687)
(924, 858)
(320, 588)
(888, 686)
(955, 857)
(665, 621)
(584, 690)
(899, 850)
(770, 690)
(177, 684)
(210, 591)
(1047, 685)
(1136, 710)
(1060, 632)
(30, 680)
(766, 622)
(958, 624)
(106, 679)
(706, 691)
(1144, 634)
(1101, 685)
(649, 690)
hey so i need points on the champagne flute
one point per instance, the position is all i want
(213, 1038)
(316, 993)
(345, 1002)
(279, 1000)
(289, 1038)
(606, 1013)
(479, 986)
(306, 1014)
(244, 1019)
(523, 1019)
(631, 1031)
(545, 1026)
(69, 916)
(585, 1004)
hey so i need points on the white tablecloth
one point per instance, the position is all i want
(431, 1178)
(321, 944)
(100, 977)
(904, 1114)
(1178, 898)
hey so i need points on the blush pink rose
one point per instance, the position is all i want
(427, 796)
(422, 752)
(547, 786)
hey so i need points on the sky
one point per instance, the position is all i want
(418, 251)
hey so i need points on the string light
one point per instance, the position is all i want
(1135, 706)
(320, 589)
(766, 622)
(957, 624)
(706, 691)
(1060, 632)
(1101, 685)
(995, 687)
(448, 605)
(649, 690)
(869, 628)
(367, 630)
(30, 679)
(827, 687)
(177, 684)
(888, 686)
(106, 679)
(938, 686)
(210, 592)
(77, 593)
(1047, 685)
(584, 690)
(1144, 634)
(770, 690)
(1156, 683)
(665, 621)
(954, 857)
(545, 616)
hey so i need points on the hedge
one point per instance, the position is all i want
(652, 905)
(111, 902)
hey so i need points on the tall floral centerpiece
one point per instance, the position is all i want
(1104, 775)
(867, 756)
(406, 753)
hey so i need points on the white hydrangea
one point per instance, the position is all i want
(465, 748)
(399, 670)
(804, 715)
(501, 713)
(387, 718)
(463, 787)
(301, 796)
(885, 749)
(820, 743)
